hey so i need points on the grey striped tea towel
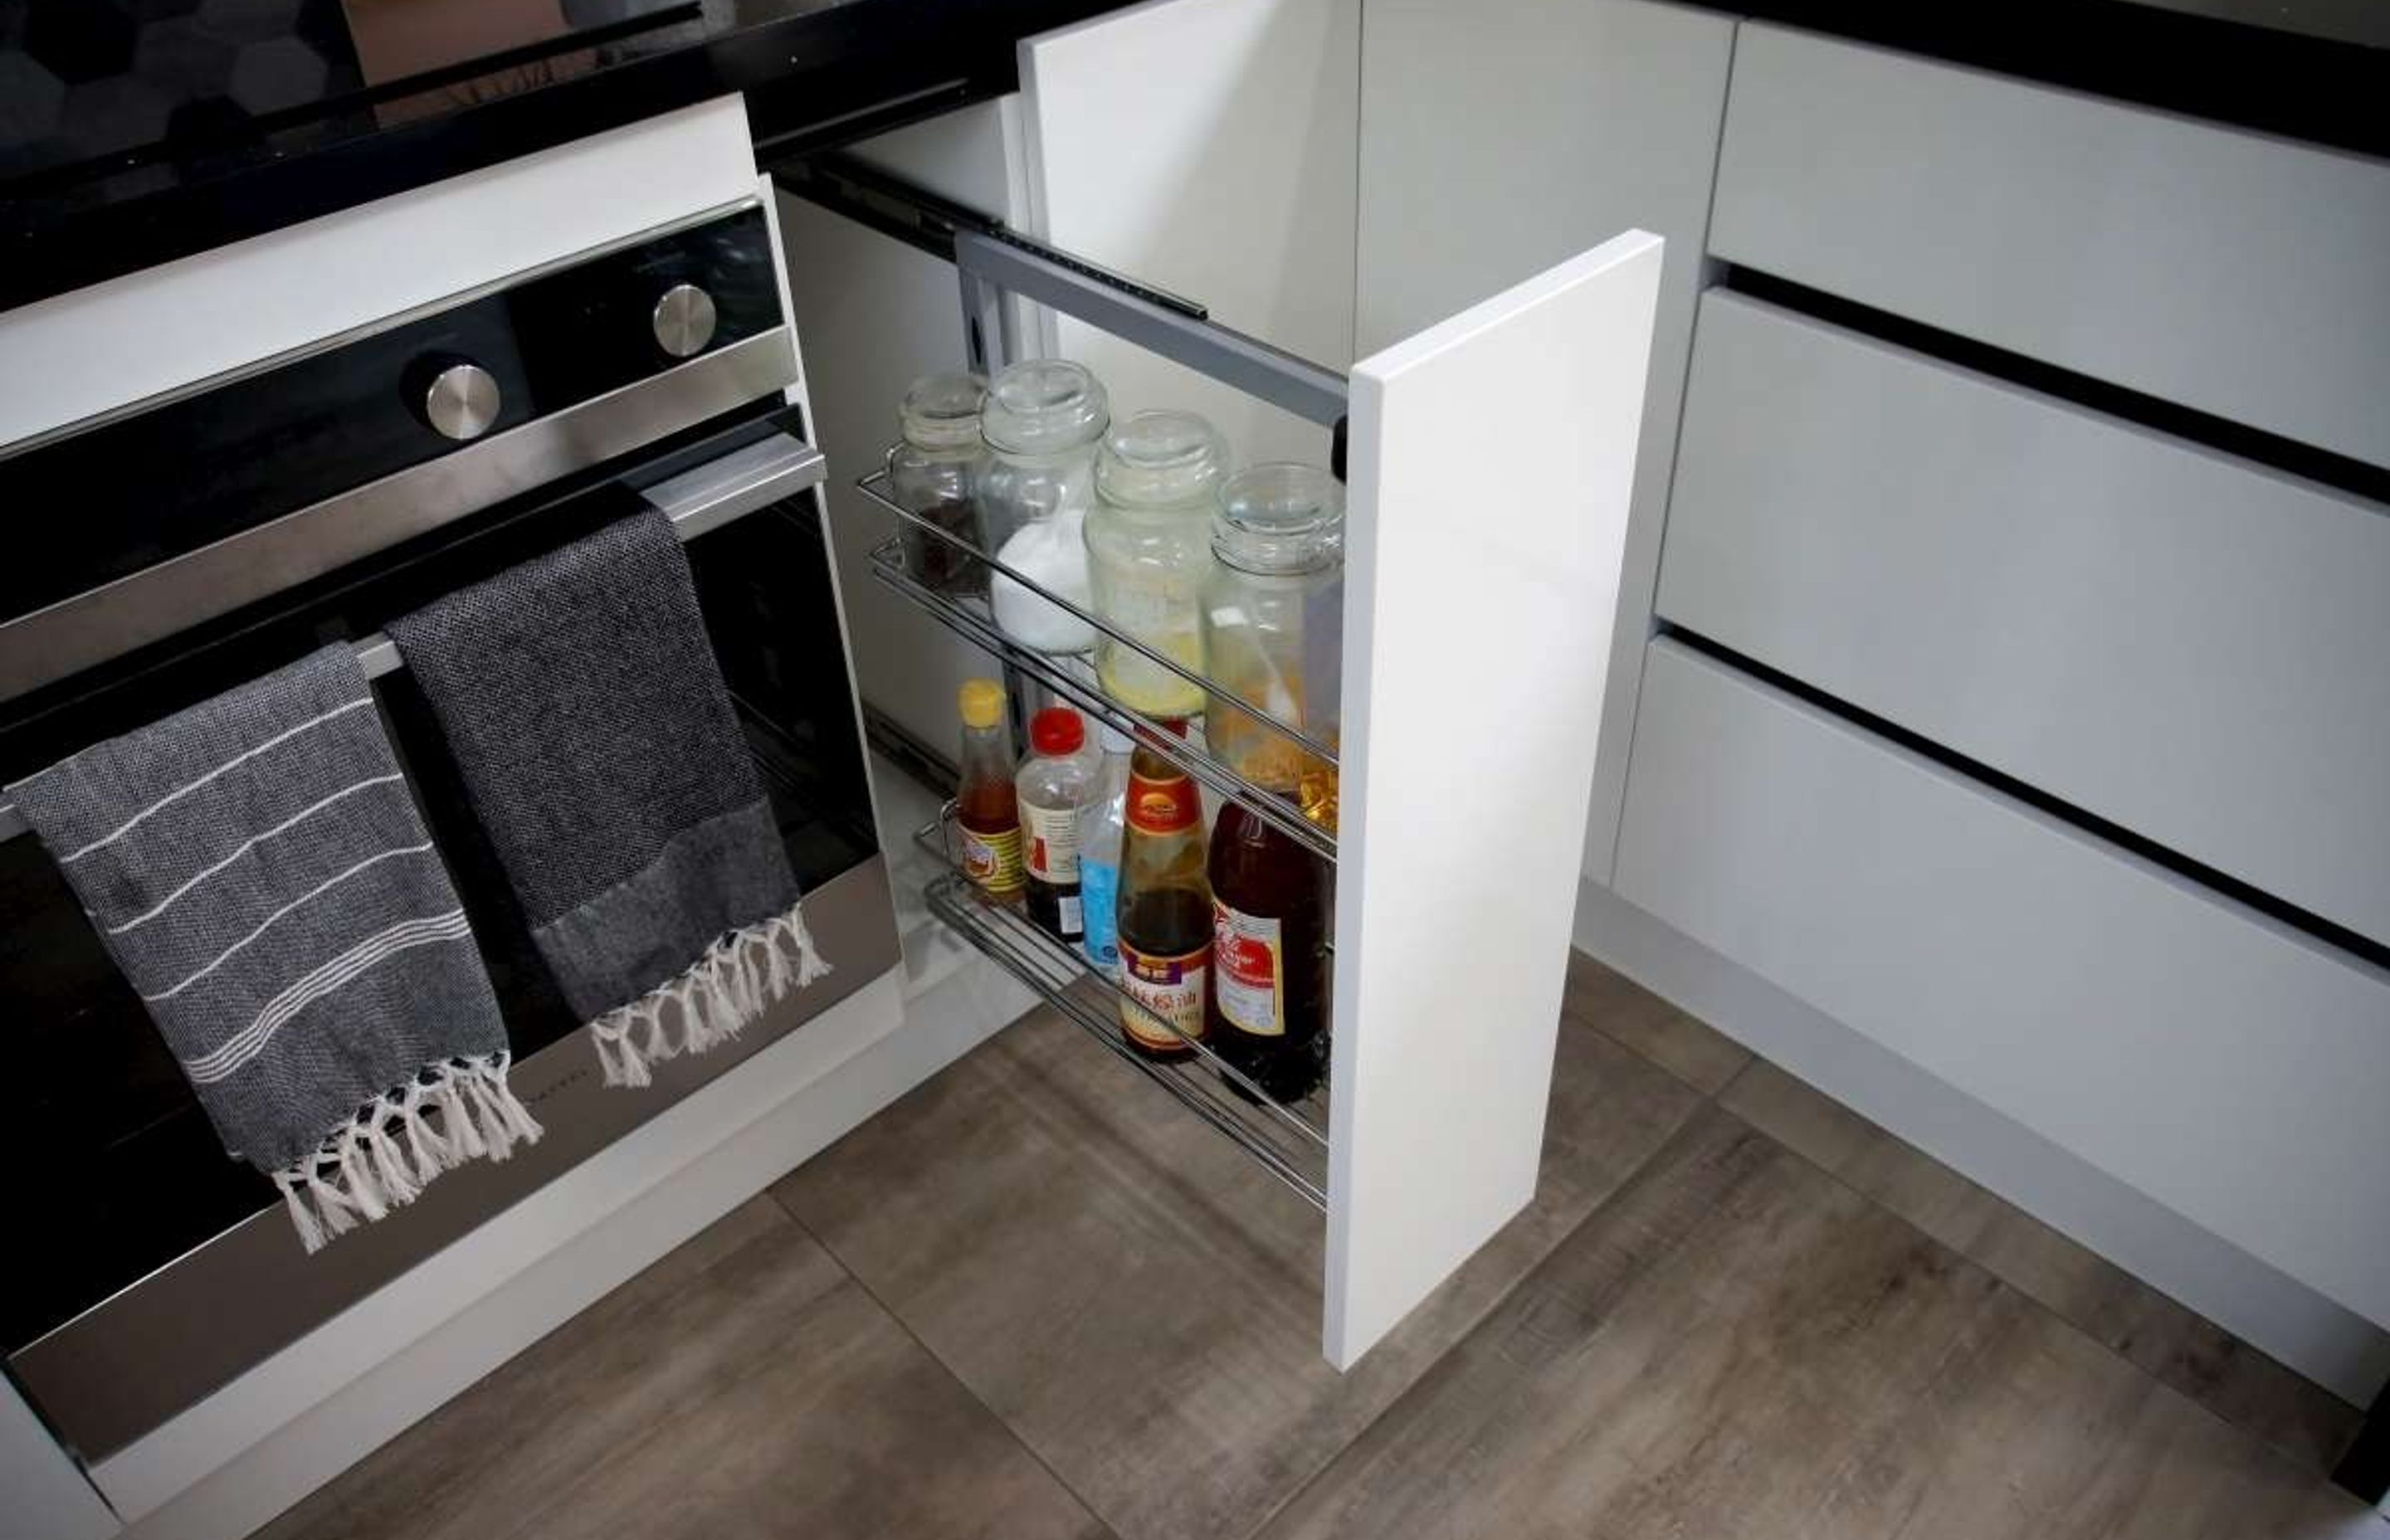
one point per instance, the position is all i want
(256, 867)
(601, 753)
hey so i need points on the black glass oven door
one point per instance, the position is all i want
(140, 1179)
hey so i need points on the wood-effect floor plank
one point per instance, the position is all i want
(1737, 1345)
(1137, 1300)
(2182, 1349)
(744, 1385)
(1626, 1012)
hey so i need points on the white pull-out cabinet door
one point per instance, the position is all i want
(1492, 456)
(1209, 146)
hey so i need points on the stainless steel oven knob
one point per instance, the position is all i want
(460, 401)
(683, 320)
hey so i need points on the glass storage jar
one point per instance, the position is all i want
(1149, 549)
(1274, 628)
(1041, 422)
(933, 471)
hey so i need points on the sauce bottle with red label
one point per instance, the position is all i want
(1164, 922)
(987, 815)
(1266, 1010)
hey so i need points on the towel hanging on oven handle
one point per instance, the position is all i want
(724, 488)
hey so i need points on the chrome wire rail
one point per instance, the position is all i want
(938, 839)
(1073, 679)
(1286, 1141)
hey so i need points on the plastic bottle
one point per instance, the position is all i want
(1053, 785)
(985, 808)
(1101, 826)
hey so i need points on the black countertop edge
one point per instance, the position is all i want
(833, 75)
(820, 78)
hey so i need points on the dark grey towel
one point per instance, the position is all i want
(601, 753)
(257, 869)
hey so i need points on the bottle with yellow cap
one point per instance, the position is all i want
(985, 807)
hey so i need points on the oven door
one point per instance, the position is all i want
(151, 1267)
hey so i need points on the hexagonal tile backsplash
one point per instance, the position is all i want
(80, 79)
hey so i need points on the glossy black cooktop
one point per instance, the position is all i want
(135, 131)
(107, 96)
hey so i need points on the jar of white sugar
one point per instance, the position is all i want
(1042, 420)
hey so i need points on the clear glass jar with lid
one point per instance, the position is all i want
(1041, 423)
(933, 471)
(1274, 628)
(1148, 551)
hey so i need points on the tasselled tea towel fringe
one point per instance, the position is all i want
(256, 866)
(734, 983)
(457, 1111)
(604, 758)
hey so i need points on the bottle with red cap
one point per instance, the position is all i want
(1054, 784)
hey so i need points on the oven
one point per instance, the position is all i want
(169, 548)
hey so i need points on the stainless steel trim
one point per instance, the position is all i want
(159, 1346)
(696, 501)
(373, 327)
(734, 485)
(144, 607)
(376, 655)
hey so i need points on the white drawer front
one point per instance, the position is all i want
(2237, 274)
(2234, 1071)
(2186, 645)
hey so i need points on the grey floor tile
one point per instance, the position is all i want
(1139, 1301)
(1625, 1011)
(2182, 1349)
(744, 1385)
(1736, 1346)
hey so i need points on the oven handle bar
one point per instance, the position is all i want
(697, 500)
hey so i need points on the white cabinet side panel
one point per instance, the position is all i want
(1479, 584)
(872, 315)
(2232, 1069)
(1568, 124)
(1206, 147)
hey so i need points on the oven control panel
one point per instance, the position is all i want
(238, 453)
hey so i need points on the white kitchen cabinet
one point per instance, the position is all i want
(877, 315)
(2228, 1067)
(2184, 644)
(1879, 499)
(2224, 269)
(1207, 147)
(1566, 123)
